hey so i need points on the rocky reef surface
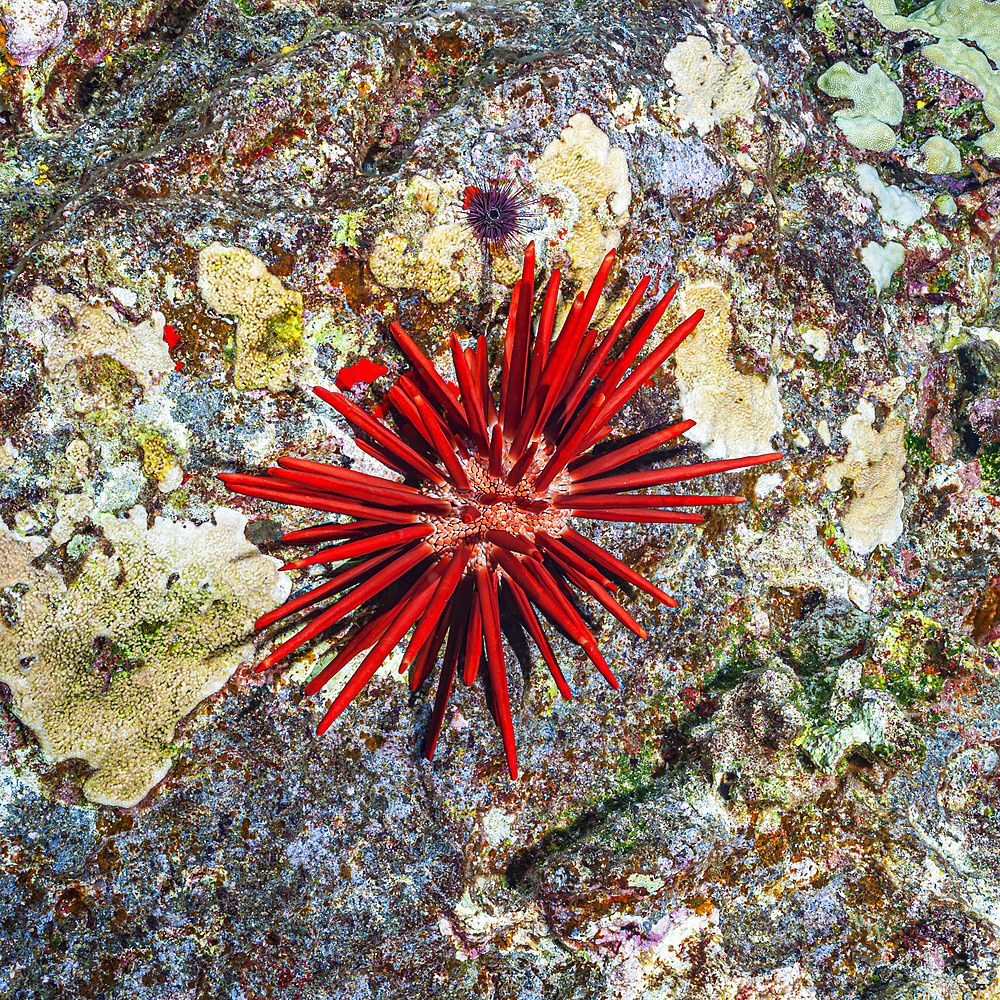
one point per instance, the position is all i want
(207, 207)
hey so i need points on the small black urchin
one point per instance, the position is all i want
(495, 212)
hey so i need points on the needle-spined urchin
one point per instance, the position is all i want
(495, 210)
(483, 514)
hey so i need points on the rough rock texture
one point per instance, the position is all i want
(209, 206)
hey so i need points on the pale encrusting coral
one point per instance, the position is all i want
(582, 194)
(103, 667)
(76, 330)
(882, 261)
(874, 463)
(590, 176)
(735, 414)
(712, 87)
(445, 262)
(235, 282)
(941, 156)
(878, 103)
(967, 45)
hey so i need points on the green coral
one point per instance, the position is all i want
(349, 224)
(824, 20)
(158, 461)
(878, 103)
(285, 329)
(954, 23)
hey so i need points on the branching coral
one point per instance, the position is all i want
(157, 619)
(235, 282)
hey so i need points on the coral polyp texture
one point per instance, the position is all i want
(103, 666)
(494, 473)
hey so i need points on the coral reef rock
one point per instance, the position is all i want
(209, 207)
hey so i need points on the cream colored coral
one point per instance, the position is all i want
(391, 261)
(941, 156)
(16, 554)
(590, 173)
(878, 103)
(8, 454)
(235, 282)
(872, 92)
(78, 456)
(444, 260)
(954, 23)
(447, 260)
(816, 338)
(894, 204)
(711, 89)
(882, 262)
(96, 330)
(426, 192)
(72, 509)
(735, 415)
(104, 668)
(874, 461)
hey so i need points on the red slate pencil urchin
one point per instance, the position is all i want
(483, 515)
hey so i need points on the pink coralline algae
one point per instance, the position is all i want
(494, 472)
(32, 28)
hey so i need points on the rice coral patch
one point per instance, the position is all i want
(269, 327)
(158, 619)
(735, 414)
(711, 89)
(447, 259)
(874, 461)
(582, 163)
(79, 330)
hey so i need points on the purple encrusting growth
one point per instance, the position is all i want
(494, 211)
